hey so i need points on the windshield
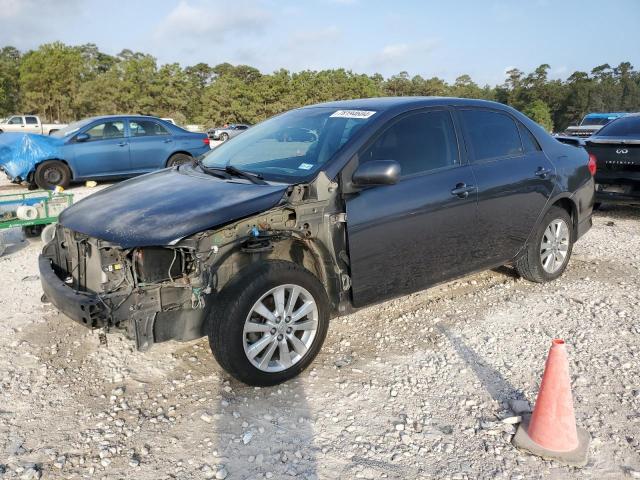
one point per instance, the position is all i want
(594, 121)
(622, 127)
(71, 128)
(290, 146)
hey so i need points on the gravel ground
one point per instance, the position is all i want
(413, 388)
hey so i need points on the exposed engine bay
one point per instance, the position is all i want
(158, 293)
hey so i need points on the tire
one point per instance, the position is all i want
(32, 230)
(224, 137)
(534, 264)
(231, 343)
(597, 206)
(178, 159)
(52, 173)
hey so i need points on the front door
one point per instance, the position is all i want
(514, 178)
(405, 237)
(104, 153)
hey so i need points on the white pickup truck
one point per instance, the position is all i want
(29, 124)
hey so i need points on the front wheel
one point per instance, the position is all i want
(546, 257)
(178, 159)
(271, 323)
(51, 174)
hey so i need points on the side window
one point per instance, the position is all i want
(491, 134)
(106, 130)
(31, 120)
(529, 142)
(241, 127)
(419, 142)
(146, 128)
(15, 121)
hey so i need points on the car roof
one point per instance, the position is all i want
(388, 103)
(106, 117)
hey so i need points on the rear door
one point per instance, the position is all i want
(150, 144)
(514, 177)
(105, 152)
(418, 232)
(32, 125)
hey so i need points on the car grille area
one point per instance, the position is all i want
(83, 262)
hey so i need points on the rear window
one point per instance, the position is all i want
(528, 140)
(31, 120)
(622, 127)
(491, 134)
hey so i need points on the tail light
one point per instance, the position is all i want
(205, 140)
(592, 164)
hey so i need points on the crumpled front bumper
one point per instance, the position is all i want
(83, 307)
(139, 312)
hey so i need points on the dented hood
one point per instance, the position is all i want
(165, 206)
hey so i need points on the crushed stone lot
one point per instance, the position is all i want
(417, 387)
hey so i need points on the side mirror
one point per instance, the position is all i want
(377, 172)
(82, 137)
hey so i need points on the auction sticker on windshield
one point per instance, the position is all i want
(352, 114)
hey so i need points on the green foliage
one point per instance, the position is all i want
(538, 111)
(61, 82)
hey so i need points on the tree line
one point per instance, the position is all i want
(64, 83)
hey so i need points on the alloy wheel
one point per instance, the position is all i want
(280, 328)
(554, 246)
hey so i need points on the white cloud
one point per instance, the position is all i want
(28, 23)
(396, 57)
(328, 34)
(211, 21)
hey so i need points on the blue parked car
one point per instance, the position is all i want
(104, 147)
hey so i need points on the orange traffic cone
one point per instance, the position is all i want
(551, 431)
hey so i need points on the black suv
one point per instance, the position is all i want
(616, 150)
(261, 241)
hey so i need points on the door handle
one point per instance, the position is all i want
(463, 190)
(168, 140)
(123, 144)
(542, 172)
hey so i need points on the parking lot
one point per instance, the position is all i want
(413, 388)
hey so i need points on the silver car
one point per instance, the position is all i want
(225, 133)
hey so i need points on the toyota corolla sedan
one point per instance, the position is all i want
(260, 242)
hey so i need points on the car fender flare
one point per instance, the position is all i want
(32, 172)
(566, 200)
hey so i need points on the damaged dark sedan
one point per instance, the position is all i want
(264, 239)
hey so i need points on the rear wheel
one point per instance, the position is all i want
(547, 255)
(52, 173)
(178, 159)
(271, 323)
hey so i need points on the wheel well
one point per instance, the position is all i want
(570, 207)
(35, 167)
(177, 153)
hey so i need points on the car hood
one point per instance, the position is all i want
(165, 206)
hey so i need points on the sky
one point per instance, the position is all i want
(445, 38)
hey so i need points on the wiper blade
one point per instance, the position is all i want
(214, 171)
(252, 177)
